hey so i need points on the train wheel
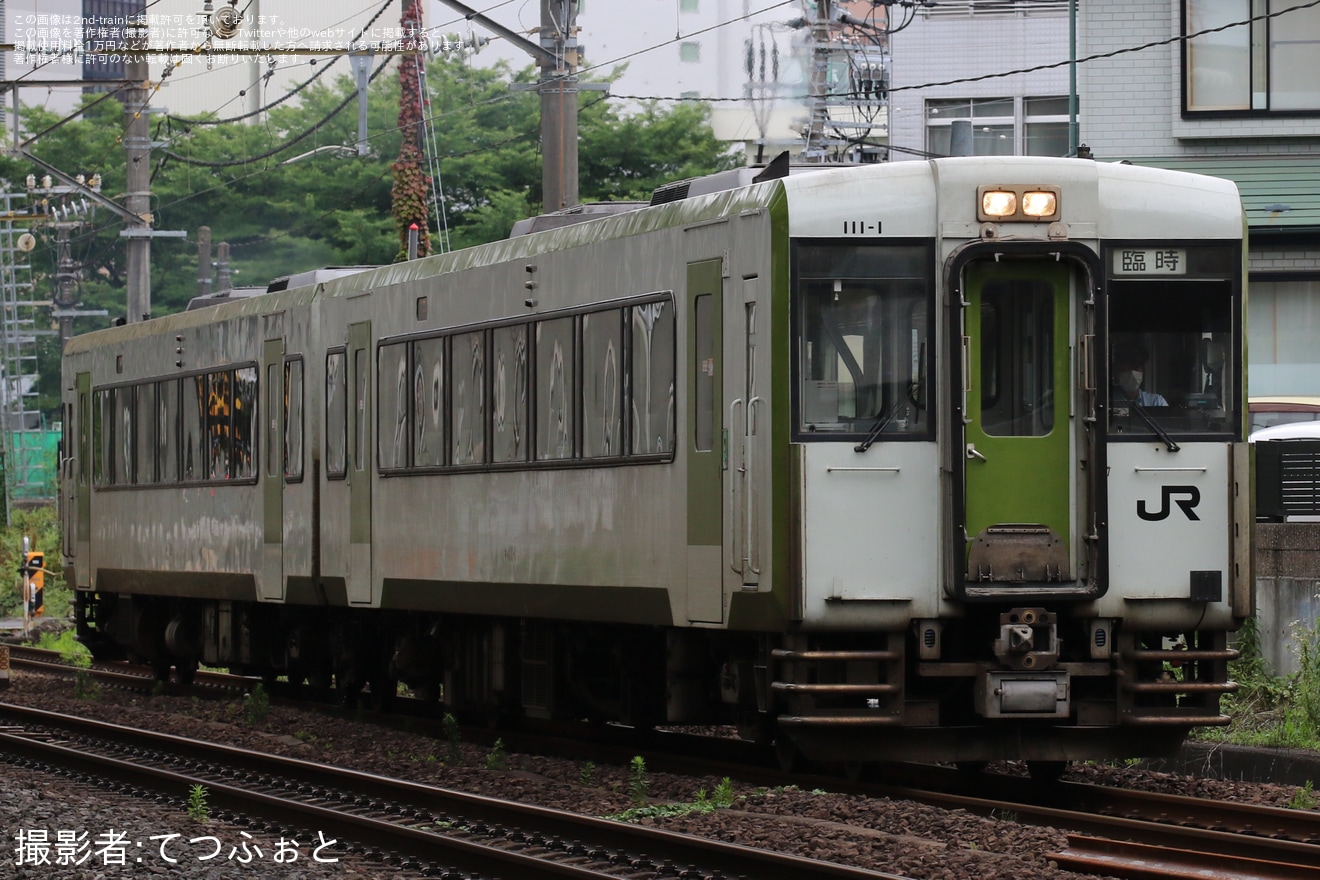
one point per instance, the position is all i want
(186, 671)
(856, 771)
(789, 757)
(755, 727)
(1046, 771)
(161, 670)
(382, 694)
(347, 691)
(971, 768)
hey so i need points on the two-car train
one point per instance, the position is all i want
(927, 460)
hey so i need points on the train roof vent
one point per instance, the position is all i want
(569, 216)
(314, 276)
(724, 180)
(223, 296)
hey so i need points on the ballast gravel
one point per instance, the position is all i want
(891, 836)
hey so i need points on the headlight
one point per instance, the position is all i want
(1036, 203)
(1024, 204)
(998, 203)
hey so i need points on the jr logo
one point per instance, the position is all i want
(1187, 497)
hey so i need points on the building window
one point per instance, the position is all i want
(1045, 126)
(994, 7)
(689, 53)
(997, 126)
(1260, 66)
(1283, 318)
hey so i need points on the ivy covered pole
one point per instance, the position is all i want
(411, 186)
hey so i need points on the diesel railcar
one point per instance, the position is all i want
(927, 460)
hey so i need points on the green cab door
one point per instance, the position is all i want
(1017, 489)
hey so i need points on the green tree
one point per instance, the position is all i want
(333, 207)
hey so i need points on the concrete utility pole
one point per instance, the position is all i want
(559, 117)
(137, 151)
(204, 261)
(557, 56)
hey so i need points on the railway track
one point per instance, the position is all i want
(129, 676)
(421, 826)
(1111, 827)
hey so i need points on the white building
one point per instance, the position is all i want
(949, 80)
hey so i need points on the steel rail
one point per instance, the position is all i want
(731, 859)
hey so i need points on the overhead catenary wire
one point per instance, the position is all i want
(296, 139)
(431, 117)
(293, 91)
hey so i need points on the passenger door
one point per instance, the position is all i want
(1017, 498)
(361, 443)
(706, 441)
(748, 453)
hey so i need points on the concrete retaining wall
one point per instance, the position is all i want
(1287, 589)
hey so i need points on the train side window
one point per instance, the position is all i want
(145, 416)
(703, 371)
(100, 436)
(602, 384)
(360, 407)
(272, 388)
(192, 411)
(122, 441)
(554, 389)
(246, 404)
(429, 402)
(293, 419)
(336, 414)
(863, 347)
(84, 439)
(468, 417)
(167, 430)
(509, 393)
(651, 393)
(219, 407)
(392, 431)
(1171, 361)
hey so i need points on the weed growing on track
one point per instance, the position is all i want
(198, 811)
(66, 643)
(453, 738)
(496, 759)
(1304, 798)
(638, 785)
(84, 687)
(587, 778)
(722, 799)
(257, 705)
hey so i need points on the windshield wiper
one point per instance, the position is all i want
(880, 426)
(1150, 421)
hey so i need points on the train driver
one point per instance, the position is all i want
(1129, 370)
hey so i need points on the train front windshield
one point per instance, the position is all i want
(863, 316)
(1172, 363)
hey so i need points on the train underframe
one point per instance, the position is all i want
(1001, 683)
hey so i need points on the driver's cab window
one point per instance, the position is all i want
(1170, 357)
(863, 343)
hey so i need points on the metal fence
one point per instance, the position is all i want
(1287, 479)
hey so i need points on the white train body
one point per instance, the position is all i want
(845, 457)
